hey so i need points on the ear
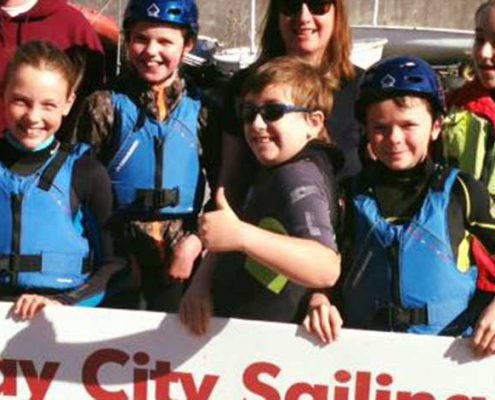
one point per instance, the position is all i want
(188, 45)
(315, 121)
(68, 104)
(436, 129)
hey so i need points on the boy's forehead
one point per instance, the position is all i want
(271, 91)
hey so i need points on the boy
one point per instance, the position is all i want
(410, 220)
(261, 264)
(147, 131)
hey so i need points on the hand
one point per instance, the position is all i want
(28, 305)
(196, 307)
(323, 319)
(185, 253)
(483, 341)
(221, 230)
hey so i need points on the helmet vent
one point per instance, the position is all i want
(414, 79)
(174, 11)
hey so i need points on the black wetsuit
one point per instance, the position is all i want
(297, 198)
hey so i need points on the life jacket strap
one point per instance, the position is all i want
(48, 175)
(400, 319)
(158, 198)
(15, 263)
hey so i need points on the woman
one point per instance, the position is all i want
(318, 31)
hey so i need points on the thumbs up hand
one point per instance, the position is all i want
(221, 230)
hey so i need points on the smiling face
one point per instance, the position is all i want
(484, 47)
(399, 135)
(156, 50)
(35, 102)
(307, 35)
(276, 142)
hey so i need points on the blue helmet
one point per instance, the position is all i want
(399, 76)
(178, 12)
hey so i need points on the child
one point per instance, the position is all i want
(284, 241)
(57, 22)
(147, 131)
(468, 133)
(408, 267)
(55, 243)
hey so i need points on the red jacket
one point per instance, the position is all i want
(475, 98)
(61, 24)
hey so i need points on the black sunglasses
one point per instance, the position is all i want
(293, 7)
(269, 112)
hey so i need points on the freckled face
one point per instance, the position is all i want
(156, 51)
(400, 136)
(35, 101)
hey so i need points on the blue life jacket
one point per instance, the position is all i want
(154, 165)
(405, 276)
(42, 245)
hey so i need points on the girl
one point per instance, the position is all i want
(55, 243)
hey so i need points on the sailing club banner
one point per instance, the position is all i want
(78, 353)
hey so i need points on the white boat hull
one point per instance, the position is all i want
(438, 46)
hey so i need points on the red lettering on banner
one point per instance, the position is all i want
(254, 385)
(415, 396)
(205, 388)
(383, 380)
(91, 368)
(141, 376)
(317, 392)
(363, 385)
(163, 378)
(344, 379)
(8, 368)
(342, 393)
(38, 385)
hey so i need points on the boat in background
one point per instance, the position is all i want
(435, 45)
(107, 28)
(365, 52)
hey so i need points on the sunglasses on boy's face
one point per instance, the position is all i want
(293, 7)
(269, 112)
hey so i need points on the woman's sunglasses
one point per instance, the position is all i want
(293, 7)
(269, 112)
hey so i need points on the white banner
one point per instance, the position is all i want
(69, 353)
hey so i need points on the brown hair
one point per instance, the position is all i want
(308, 87)
(336, 60)
(408, 101)
(483, 6)
(44, 55)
